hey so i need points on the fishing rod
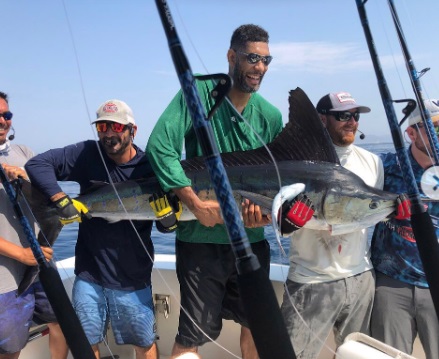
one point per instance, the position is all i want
(51, 282)
(421, 222)
(264, 317)
(416, 84)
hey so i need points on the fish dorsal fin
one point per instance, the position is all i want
(304, 138)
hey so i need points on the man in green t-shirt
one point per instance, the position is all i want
(205, 260)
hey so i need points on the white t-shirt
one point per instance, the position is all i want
(317, 256)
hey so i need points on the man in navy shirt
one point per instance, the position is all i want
(113, 260)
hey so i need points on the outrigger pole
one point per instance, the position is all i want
(257, 294)
(422, 225)
(416, 84)
(51, 282)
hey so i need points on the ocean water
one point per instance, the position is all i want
(164, 243)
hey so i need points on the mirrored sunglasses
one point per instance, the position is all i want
(345, 116)
(7, 115)
(253, 58)
(115, 127)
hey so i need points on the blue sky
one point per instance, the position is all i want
(119, 51)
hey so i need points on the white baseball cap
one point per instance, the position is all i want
(432, 105)
(115, 111)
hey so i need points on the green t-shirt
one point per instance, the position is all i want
(174, 129)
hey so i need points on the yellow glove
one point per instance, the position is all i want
(71, 210)
(167, 210)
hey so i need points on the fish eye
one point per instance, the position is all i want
(373, 205)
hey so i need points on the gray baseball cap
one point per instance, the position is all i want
(339, 101)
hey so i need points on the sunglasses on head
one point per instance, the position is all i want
(253, 58)
(103, 126)
(7, 115)
(345, 116)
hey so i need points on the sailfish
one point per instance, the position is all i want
(303, 153)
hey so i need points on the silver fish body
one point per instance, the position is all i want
(341, 199)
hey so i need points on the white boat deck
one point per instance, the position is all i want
(165, 284)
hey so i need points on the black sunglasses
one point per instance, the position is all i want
(421, 125)
(253, 58)
(345, 116)
(7, 115)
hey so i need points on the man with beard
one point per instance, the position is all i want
(403, 307)
(205, 261)
(113, 260)
(330, 284)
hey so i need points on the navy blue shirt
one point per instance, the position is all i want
(109, 254)
(394, 249)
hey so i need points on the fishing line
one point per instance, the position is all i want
(420, 219)
(396, 67)
(379, 10)
(158, 271)
(282, 254)
(432, 149)
(414, 79)
(111, 182)
(247, 123)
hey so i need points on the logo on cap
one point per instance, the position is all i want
(110, 108)
(345, 97)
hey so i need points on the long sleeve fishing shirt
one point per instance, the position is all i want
(394, 249)
(174, 132)
(318, 256)
(109, 254)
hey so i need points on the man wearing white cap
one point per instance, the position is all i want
(403, 306)
(330, 283)
(113, 260)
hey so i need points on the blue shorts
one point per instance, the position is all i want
(17, 314)
(131, 313)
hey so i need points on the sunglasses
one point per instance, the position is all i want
(253, 58)
(345, 116)
(115, 127)
(7, 115)
(435, 128)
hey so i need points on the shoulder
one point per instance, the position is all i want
(388, 157)
(367, 155)
(88, 145)
(369, 166)
(259, 101)
(24, 150)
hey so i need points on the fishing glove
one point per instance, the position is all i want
(71, 210)
(167, 208)
(403, 205)
(295, 213)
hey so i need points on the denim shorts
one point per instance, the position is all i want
(131, 313)
(17, 314)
